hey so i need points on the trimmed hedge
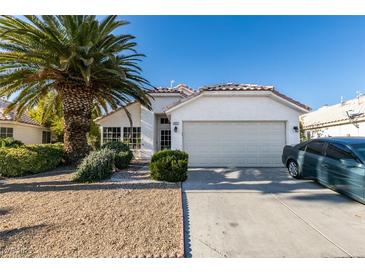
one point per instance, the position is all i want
(30, 159)
(10, 142)
(123, 154)
(169, 165)
(123, 159)
(98, 165)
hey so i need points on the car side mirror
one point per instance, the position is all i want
(350, 163)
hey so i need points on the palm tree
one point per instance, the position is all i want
(80, 59)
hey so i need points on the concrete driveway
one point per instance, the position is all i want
(262, 212)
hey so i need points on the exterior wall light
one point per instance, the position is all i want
(296, 129)
(175, 129)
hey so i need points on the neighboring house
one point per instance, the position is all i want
(219, 125)
(344, 119)
(24, 129)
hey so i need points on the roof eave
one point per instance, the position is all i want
(239, 93)
(22, 123)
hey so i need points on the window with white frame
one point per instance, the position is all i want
(6, 132)
(164, 121)
(132, 136)
(165, 141)
(111, 134)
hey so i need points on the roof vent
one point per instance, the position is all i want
(172, 83)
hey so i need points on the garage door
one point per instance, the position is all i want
(240, 144)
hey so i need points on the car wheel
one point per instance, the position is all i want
(293, 169)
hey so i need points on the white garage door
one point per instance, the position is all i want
(228, 144)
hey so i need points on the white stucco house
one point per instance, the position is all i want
(220, 125)
(24, 129)
(344, 119)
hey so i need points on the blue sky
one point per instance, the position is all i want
(314, 59)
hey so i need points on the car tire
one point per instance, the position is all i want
(293, 169)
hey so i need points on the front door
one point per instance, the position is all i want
(164, 133)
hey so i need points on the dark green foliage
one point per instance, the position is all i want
(68, 65)
(10, 142)
(169, 165)
(116, 146)
(30, 159)
(123, 155)
(123, 159)
(98, 165)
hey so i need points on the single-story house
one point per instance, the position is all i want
(24, 129)
(219, 125)
(344, 119)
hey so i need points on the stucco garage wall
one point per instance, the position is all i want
(235, 108)
(28, 134)
(339, 130)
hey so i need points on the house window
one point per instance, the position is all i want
(111, 134)
(164, 121)
(132, 136)
(6, 132)
(46, 137)
(165, 142)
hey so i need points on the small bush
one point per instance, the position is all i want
(123, 155)
(169, 165)
(10, 142)
(30, 159)
(123, 159)
(98, 165)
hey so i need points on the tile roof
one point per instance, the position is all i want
(181, 89)
(339, 113)
(295, 102)
(11, 116)
(236, 87)
(241, 87)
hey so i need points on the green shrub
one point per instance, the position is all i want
(123, 154)
(123, 159)
(169, 165)
(30, 159)
(98, 165)
(10, 142)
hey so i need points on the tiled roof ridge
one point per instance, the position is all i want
(235, 87)
(251, 87)
(25, 118)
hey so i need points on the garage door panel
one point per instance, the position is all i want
(234, 143)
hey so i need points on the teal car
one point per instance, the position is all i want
(337, 163)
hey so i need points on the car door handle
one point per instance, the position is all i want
(324, 166)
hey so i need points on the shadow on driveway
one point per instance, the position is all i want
(260, 180)
(244, 212)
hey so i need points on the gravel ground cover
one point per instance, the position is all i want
(47, 215)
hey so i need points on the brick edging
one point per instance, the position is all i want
(182, 243)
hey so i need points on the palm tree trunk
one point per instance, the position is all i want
(77, 104)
